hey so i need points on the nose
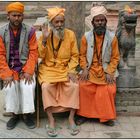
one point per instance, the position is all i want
(59, 24)
(100, 22)
(17, 17)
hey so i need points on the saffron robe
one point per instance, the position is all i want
(96, 96)
(56, 70)
(57, 91)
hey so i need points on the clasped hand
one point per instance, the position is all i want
(84, 75)
(72, 77)
(8, 81)
(110, 79)
(28, 78)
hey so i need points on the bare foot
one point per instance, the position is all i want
(52, 123)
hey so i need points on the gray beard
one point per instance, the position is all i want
(59, 33)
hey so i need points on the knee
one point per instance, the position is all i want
(45, 86)
(23, 85)
(74, 85)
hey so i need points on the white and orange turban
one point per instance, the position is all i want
(53, 12)
(98, 10)
(15, 6)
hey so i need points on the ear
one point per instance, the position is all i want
(92, 22)
(8, 18)
(106, 20)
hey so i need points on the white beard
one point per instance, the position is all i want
(59, 33)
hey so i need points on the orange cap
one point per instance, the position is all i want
(53, 12)
(15, 6)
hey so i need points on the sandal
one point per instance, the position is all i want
(109, 123)
(80, 120)
(51, 131)
(73, 130)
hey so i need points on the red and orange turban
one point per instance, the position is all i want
(53, 12)
(15, 6)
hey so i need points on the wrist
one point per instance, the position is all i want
(44, 42)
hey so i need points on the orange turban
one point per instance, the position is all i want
(15, 6)
(53, 12)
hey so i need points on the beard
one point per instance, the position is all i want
(15, 24)
(100, 30)
(58, 32)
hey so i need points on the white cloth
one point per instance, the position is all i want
(97, 10)
(19, 98)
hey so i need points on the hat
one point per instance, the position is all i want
(53, 12)
(15, 6)
(97, 10)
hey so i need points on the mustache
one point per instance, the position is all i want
(60, 28)
(58, 31)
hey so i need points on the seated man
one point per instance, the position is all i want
(99, 57)
(57, 74)
(18, 57)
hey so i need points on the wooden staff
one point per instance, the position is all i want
(37, 99)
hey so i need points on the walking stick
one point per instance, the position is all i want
(37, 96)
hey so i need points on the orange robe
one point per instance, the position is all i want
(56, 70)
(58, 92)
(29, 67)
(96, 96)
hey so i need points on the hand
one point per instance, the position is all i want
(8, 81)
(72, 77)
(110, 79)
(45, 32)
(84, 74)
(28, 78)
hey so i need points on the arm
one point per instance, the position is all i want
(83, 51)
(5, 71)
(83, 59)
(74, 58)
(115, 57)
(42, 42)
(41, 48)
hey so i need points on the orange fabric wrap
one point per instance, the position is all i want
(97, 101)
(53, 12)
(97, 70)
(60, 96)
(15, 6)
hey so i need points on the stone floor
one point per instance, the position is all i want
(126, 127)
